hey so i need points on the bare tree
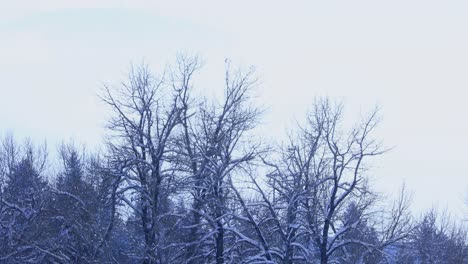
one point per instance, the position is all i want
(314, 179)
(215, 146)
(145, 116)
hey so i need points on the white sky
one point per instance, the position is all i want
(410, 57)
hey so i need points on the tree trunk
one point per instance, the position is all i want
(323, 255)
(193, 236)
(219, 223)
(220, 243)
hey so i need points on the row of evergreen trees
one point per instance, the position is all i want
(68, 218)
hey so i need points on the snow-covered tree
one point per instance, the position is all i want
(75, 207)
(24, 206)
(436, 239)
(215, 147)
(147, 111)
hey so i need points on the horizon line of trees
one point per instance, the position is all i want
(187, 180)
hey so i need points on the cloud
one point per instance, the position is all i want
(16, 10)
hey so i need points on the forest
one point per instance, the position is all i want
(185, 178)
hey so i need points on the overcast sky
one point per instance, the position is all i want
(409, 57)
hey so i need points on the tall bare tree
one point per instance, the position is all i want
(314, 179)
(146, 112)
(216, 146)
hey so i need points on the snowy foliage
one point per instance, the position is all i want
(186, 180)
